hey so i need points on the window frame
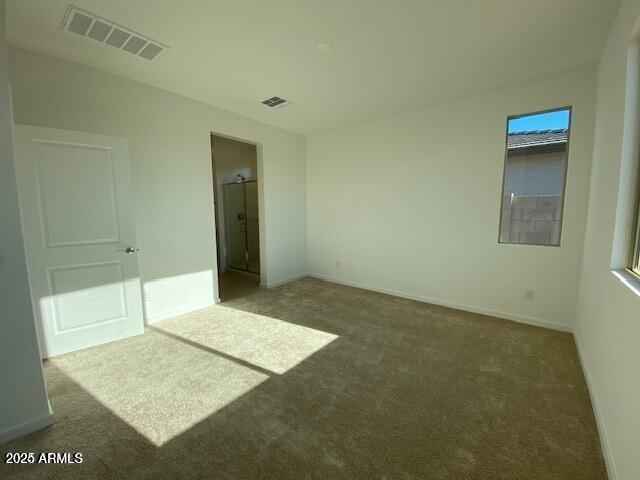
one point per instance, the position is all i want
(566, 174)
(633, 265)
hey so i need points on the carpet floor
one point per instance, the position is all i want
(313, 380)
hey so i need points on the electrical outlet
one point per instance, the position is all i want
(529, 295)
(337, 263)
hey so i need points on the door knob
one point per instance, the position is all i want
(131, 250)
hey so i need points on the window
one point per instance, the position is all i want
(535, 173)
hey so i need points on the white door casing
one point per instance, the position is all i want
(78, 222)
(253, 227)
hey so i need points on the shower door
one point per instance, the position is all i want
(241, 219)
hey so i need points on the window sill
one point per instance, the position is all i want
(629, 279)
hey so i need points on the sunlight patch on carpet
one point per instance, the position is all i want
(185, 369)
(159, 386)
(268, 343)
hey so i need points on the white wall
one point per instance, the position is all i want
(410, 204)
(231, 158)
(169, 138)
(608, 312)
(23, 398)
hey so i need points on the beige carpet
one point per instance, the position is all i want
(318, 381)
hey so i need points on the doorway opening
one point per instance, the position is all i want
(237, 216)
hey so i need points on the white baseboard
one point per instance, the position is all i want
(151, 319)
(27, 427)
(445, 303)
(283, 281)
(602, 431)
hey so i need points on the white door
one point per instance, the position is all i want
(77, 217)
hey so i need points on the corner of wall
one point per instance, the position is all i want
(597, 411)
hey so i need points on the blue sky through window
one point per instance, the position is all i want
(540, 121)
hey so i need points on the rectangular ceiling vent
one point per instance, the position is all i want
(276, 102)
(92, 26)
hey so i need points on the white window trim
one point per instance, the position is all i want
(628, 279)
(626, 214)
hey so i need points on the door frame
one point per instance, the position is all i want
(261, 202)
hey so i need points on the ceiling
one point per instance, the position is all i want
(383, 55)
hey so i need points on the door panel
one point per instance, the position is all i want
(235, 216)
(77, 216)
(84, 211)
(85, 295)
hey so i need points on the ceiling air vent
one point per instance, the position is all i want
(92, 26)
(276, 102)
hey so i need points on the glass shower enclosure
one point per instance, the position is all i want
(241, 222)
